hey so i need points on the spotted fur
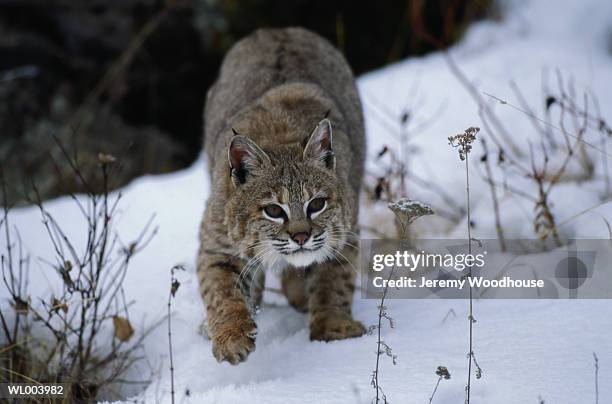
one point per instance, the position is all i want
(283, 127)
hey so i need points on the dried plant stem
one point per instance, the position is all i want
(170, 350)
(91, 296)
(406, 211)
(578, 137)
(10, 337)
(435, 389)
(606, 168)
(463, 142)
(596, 359)
(376, 383)
(498, 227)
(546, 214)
(174, 284)
(442, 373)
(543, 177)
(471, 317)
(484, 110)
(381, 314)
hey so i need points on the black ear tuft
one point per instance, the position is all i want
(320, 145)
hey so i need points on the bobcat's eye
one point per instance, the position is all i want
(316, 206)
(274, 211)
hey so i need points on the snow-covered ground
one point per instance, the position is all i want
(527, 349)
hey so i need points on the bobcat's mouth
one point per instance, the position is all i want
(303, 257)
(299, 250)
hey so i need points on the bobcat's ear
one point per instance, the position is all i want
(244, 157)
(319, 146)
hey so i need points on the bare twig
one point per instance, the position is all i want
(498, 227)
(484, 110)
(596, 359)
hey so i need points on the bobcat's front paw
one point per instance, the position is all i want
(328, 328)
(234, 343)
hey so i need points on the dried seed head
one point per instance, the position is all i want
(463, 141)
(407, 210)
(106, 159)
(443, 372)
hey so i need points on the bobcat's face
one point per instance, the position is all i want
(288, 205)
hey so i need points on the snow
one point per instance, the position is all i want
(527, 349)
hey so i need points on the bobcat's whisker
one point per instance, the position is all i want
(343, 242)
(345, 233)
(260, 268)
(337, 254)
(252, 263)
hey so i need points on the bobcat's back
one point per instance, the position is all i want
(300, 65)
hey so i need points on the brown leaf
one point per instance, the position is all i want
(66, 277)
(123, 328)
(59, 305)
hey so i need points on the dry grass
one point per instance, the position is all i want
(57, 338)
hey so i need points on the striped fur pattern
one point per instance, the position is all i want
(285, 142)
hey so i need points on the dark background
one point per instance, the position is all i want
(128, 77)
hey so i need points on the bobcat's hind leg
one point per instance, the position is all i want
(293, 282)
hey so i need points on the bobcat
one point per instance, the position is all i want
(285, 142)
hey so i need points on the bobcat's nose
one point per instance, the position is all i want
(301, 238)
